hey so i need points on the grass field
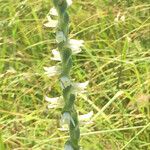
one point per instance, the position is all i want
(115, 60)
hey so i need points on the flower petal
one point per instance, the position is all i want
(69, 2)
(80, 87)
(86, 117)
(53, 12)
(52, 71)
(76, 42)
(75, 45)
(51, 106)
(53, 100)
(51, 23)
(56, 55)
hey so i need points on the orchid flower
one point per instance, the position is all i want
(80, 87)
(54, 102)
(56, 55)
(69, 2)
(53, 12)
(74, 45)
(67, 119)
(51, 23)
(52, 71)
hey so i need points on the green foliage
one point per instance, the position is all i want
(2, 147)
(109, 61)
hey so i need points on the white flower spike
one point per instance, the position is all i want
(75, 45)
(51, 23)
(60, 37)
(56, 55)
(66, 119)
(52, 71)
(69, 116)
(53, 12)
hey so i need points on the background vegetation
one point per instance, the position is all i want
(115, 59)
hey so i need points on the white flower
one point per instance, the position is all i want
(69, 2)
(53, 12)
(60, 37)
(80, 87)
(55, 102)
(122, 18)
(66, 119)
(75, 45)
(52, 71)
(51, 23)
(85, 119)
(65, 82)
(56, 55)
(68, 147)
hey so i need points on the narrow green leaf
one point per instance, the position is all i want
(2, 147)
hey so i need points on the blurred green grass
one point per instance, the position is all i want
(116, 57)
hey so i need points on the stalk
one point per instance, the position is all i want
(69, 113)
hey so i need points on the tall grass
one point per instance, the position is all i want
(116, 60)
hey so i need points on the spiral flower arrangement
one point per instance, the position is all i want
(65, 49)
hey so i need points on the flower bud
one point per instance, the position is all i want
(66, 119)
(60, 37)
(68, 147)
(65, 82)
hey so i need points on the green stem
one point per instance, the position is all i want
(66, 53)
